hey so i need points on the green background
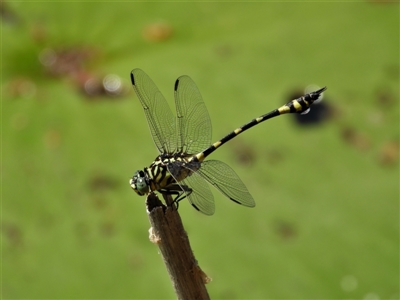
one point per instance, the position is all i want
(326, 224)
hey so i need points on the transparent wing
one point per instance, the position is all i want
(193, 120)
(158, 114)
(199, 194)
(201, 197)
(224, 178)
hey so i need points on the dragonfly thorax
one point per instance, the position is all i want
(158, 177)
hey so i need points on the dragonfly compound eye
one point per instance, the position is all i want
(139, 183)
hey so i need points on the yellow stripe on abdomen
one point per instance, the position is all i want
(217, 144)
(238, 130)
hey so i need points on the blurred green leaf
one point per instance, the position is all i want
(326, 224)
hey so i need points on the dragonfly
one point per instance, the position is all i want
(184, 142)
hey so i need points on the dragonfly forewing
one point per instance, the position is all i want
(193, 120)
(158, 113)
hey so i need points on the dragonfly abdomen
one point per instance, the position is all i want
(299, 105)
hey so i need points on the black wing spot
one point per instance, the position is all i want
(235, 201)
(132, 78)
(176, 85)
(195, 207)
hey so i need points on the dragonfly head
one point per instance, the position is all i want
(139, 183)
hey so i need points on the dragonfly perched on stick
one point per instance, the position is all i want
(184, 142)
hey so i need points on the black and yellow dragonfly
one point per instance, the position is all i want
(184, 142)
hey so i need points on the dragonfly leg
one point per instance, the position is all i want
(179, 191)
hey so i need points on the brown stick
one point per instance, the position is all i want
(168, 233)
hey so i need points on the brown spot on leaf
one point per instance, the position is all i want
(52, 139)
(356, 139)
(157, 32)
(13, 234)
(285, 230)
(389, 153)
